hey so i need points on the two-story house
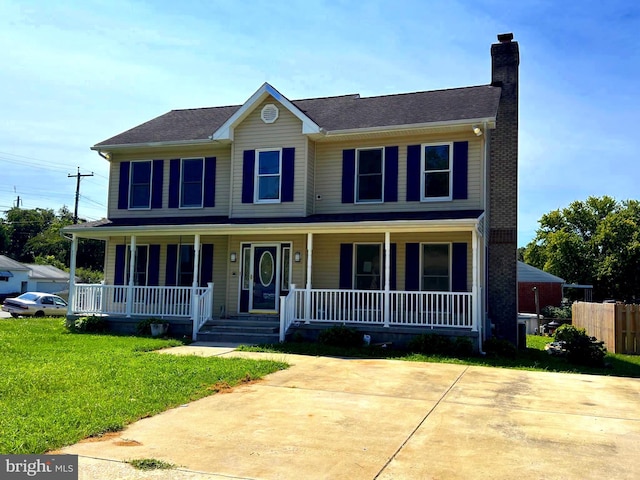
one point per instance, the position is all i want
(394, 213)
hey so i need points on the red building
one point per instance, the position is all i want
(549, 288)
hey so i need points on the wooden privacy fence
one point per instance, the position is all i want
(617, 325)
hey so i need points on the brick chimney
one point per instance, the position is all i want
(503, 192)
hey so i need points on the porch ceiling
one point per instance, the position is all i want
(364, 223)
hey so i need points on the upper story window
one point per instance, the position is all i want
(191, 183)
(369, 175)
(436, 267)
(140, 185)
(436, 179)
(268, 176)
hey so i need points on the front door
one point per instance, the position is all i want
(265, 279)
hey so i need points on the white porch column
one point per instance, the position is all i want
(387, 278)
(132, 270)
(307, 301)
(475, 300)
(196, 273)
(72, 273)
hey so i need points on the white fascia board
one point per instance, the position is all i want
(394, 226)
(225, 132)
(175, 143)
(490, 122)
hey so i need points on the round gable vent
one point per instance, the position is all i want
(269, 113)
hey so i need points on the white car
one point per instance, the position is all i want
(35, 304)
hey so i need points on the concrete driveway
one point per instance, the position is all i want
(327, 418)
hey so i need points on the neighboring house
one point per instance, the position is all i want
(47, 279)
(17, 278)
(14, 277)
(395, 213)
(549, 288)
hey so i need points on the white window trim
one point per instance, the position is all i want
(423, 171)
(450, 244)
(256, 176)
(150, 184)
(127, 259)
(354, 265)
(191, 207)
(357, 177)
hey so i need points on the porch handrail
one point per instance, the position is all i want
(287, 311)
(203, 310)
(149, 301)
(406, 308)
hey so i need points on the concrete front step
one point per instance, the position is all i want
(244, 329)
(247, 338)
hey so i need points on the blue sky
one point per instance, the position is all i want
(77, 72)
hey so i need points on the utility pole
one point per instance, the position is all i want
(18, 202)
(78, 177)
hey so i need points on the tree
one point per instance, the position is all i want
(595, 242)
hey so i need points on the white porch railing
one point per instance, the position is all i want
(161, 302)
(423, 309)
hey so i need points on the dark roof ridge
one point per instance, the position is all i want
(428, 91)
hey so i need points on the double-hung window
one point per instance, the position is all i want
(437, 160)
(369, 175)
(141, 266)
(436, 267)
(186, 258)
(268, 176)
(191, 183)
(140, 185)
(368, 260)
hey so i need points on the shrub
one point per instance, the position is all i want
(557, 312)
(431, 344)
(340, 336)
(581, 349)
(463, 347)
(499, 347)
(90, 324)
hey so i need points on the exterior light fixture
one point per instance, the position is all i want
(233, 257)
(297, 257)
(477, 130)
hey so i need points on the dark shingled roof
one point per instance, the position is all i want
(330, 113)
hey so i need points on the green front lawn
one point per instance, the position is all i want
(57, 388)
(533, 358)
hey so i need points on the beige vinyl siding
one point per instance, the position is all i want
(328, 178)
(220, 258)
(223, 180)
(254, 134)
(326, 254)
(311, 171)
(298, 244)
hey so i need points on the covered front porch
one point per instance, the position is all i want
(367, 274)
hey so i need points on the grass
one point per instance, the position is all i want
(534, 357)
(57, 388)
(150, 464)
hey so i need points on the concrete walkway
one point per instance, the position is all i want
(327, 418)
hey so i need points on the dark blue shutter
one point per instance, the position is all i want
(412, 267)
(459, 267)
(288, 169)
(118, 276)
(460, 169)
(391, 174)
(206, 264)
(174, 183)
(413, 173)
(210, 182)
(157, 185)
(154, 266)
(248, 172)
(172, 261)
(393, 266)
(123, 186)
(346, 266)
(348, 175)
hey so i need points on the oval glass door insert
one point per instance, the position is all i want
(266, 269)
